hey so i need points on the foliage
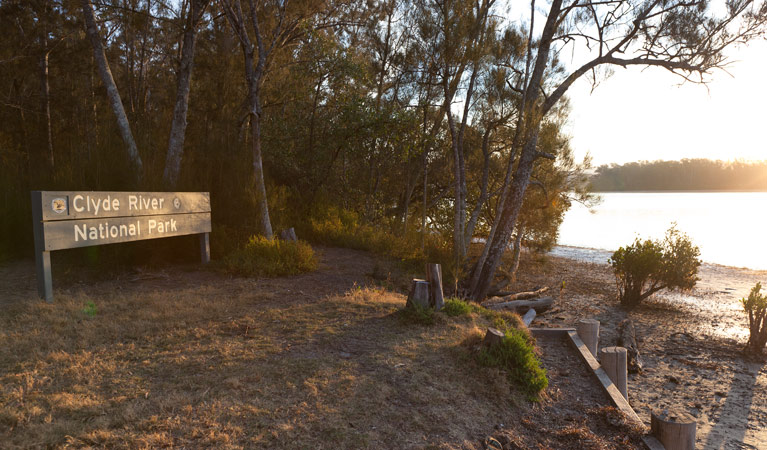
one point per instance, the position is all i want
(343, 228)
(516, 354)
(271, 258)
(646, 267)
(90, 309)
(457, 307)
(421, 315)
(756, 307)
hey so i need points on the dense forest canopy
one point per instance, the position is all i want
(419, 117)
(684, 175)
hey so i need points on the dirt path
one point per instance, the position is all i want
(690, 345)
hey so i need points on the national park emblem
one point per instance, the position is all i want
(59, 205)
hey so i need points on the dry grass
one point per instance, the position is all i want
(237, 368)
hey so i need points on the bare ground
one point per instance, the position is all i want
(690, 343)
(193, 358)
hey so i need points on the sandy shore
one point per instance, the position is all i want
(690, 343)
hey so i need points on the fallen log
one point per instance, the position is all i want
(528, 317)
(628, 340)
(507, 296)
(522, 306)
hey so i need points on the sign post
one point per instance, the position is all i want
(63, 220)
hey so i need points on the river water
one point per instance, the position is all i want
(730, 228)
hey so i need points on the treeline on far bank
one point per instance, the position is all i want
(685, 175)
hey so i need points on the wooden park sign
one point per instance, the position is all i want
(64, 220)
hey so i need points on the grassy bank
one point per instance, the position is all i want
(231, 364)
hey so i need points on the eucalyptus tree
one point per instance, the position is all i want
(105, 72)
(264, 28)
(191, 15)
(685, 37)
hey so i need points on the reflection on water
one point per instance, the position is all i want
(727, 226)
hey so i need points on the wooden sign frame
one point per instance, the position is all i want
(73, 219)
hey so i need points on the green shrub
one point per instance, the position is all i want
(414, 313)
(271, 257)
(756, 307)
(457, 307)
(516, 355)
(646, 267)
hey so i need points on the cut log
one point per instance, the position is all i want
(493, 337)
(288, 235)
(613, 360)
(676, 431)
(434, 277)
(522, 306)
(588, 331)
(419, 293)
(528, 317)
(507, 296)
(627, 339)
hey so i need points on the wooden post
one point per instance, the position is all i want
(288, 234)
(42, 257)
(434, 277)
(588, 331)
(419, 293)
(676, 431)
(613, 360)
(205, 247)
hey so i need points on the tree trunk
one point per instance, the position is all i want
(531, 124)
(183, 81)
(516, 254)
(109, 83)
(506, 220)
(627, 339)
(258, 175)
(46, 106)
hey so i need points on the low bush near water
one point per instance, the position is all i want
(271, 257)
(646, 267)
(756, 308)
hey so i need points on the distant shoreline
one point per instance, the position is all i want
(600, 256)
(684, 191)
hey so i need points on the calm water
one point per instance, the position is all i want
(729, 227)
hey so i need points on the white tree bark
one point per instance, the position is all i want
(91, 29)
(183, 81)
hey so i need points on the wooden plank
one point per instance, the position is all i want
(205, 247)
(60, 235)
(70, 205)
(42, 257)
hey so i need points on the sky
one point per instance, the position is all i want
(651, 114)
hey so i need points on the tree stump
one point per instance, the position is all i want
(434, 277)
(676, 431)
(613, 360)
(492, 338)
(588, 331)
(288, 235)
(419, 293)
